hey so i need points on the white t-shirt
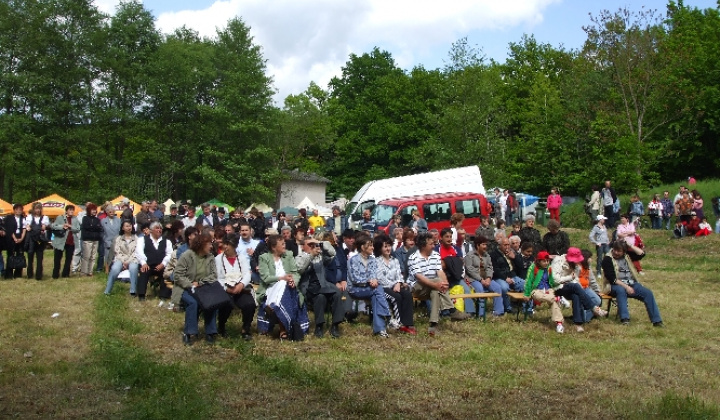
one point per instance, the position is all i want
(279, 269)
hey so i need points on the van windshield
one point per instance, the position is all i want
(382, 214)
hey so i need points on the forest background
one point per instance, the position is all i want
(92, 106)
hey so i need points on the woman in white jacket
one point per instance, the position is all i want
(566, 271)
(234, 274)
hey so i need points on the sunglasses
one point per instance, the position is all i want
(312, 244)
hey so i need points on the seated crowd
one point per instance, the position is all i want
(277, 269)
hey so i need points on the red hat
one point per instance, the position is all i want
(542, 255)
(574, 255)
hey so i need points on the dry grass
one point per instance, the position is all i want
(501, 370)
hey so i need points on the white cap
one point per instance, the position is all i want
(600, 217)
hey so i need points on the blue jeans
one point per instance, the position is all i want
(642, 294)
(192, 314)
(498, 306)
(656, 222)
(595, 300)
(666, 220)
(2, 264)
(505, 287)
(116, 269)
(580, 300)
(378, 303)
(601, 251)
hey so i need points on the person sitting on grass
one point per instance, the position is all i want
(429, 281)
(566, 270)
(704, 228)
(620, 280)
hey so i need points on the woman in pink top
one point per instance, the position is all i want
(626, 233)
(698, 204)
(554, 201)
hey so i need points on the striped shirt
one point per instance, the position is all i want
(428, 267)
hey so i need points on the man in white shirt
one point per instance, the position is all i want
(246, 249)
(153, 253)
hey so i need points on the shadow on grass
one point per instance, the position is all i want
(677, 407)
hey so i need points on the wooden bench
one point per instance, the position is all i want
(518, 299)
(477, 297)
(610, 301)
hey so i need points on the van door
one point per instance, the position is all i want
(437, 215)
(470, 207)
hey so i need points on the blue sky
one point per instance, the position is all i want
(310, 40)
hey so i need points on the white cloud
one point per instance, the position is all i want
(310, 40)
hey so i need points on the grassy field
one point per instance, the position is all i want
(112, 357)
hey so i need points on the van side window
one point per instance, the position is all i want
(437, 212)
(470, 208)
(406, 215)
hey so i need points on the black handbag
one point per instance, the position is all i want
(16, 261)
(59, 233)
(211, 296)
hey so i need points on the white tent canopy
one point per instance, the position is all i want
(307, 204)
(262, 207)
(167, 204)
(324, 211)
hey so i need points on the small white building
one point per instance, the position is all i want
(299, 185)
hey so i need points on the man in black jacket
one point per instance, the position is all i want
(505, 262)
(14, 239)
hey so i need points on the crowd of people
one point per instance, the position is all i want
(686, 206)
(276, 269)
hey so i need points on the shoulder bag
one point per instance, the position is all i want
(211, 296)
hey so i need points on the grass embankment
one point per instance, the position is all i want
(117, 358)
(574, 214)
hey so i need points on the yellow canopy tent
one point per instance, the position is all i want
(5, 207)
(135, 207)
(53, 205)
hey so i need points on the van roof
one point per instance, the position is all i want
(429, 197)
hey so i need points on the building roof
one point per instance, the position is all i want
(296, 175)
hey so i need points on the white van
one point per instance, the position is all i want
(466, 179)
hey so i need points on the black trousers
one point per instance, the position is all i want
(575, 293)
(14, 249)
(69, 250)
(243, 301)
(144, 278)
(36, 251)
(319, 304)
(403, 302)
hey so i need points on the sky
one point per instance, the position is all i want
(311, 40)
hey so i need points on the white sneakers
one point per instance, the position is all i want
(560, 328)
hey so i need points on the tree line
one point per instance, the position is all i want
(95, 105)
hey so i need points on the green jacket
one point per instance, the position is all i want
(191, 267)
(59, 242)
(533, 280)
(266, 266)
